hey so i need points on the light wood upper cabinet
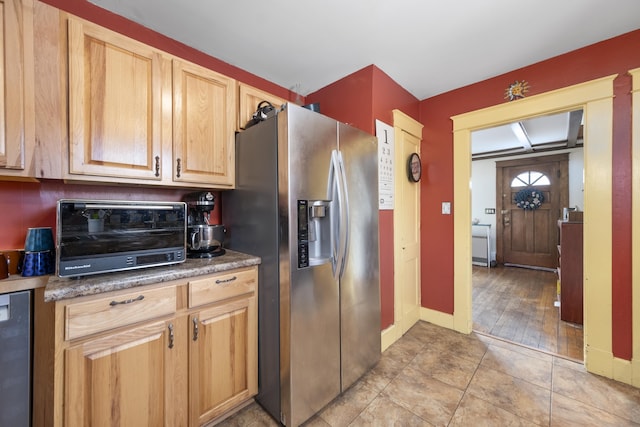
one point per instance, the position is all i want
(115, 104)
(203, 125)
(249, 99)
(16, 88)
(140, 115)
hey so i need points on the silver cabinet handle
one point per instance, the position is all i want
(195, 329)
(170, 335)
(127, 301)
(231, 279)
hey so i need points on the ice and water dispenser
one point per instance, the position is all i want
(314, 233)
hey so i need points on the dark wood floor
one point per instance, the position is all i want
(517, 304)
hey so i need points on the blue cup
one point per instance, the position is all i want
(39, 239)
(38, 263)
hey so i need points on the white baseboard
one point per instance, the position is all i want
(389, 336)
(437, 318)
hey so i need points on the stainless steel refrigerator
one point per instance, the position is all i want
(306, 202)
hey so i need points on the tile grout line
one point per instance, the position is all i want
(464, 392)
(505, 373)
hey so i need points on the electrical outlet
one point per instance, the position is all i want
(490, 211)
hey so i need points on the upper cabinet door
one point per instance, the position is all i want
(115, 104)
(204, 116)
(16, 32)
(250, 97)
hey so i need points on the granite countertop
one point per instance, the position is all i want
(59, 288)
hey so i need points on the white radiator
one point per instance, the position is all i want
(481, 244)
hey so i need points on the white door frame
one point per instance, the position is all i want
(401, 123)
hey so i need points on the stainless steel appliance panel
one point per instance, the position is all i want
(291, 183)
(360, 283)
(310, 316)
(254, 226)
(15, 359)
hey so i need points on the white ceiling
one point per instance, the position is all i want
(426, 46)
(534, 135)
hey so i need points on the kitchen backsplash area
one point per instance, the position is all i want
(33, 204)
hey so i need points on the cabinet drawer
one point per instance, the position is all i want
(222, 286)
(111, 312)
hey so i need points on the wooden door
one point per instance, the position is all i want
(204, 119)
(115, 104)
(223, 358)
(119, 379)
(406, 227)
(529, 237)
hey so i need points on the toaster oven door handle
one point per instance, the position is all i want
(113, 206)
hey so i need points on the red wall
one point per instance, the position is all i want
(387, 96)
(359, 99)
(26, 204)
(609, 57)
(348, 100)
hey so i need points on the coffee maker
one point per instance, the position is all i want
(204, 240)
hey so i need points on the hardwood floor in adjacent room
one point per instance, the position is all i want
(517, 305)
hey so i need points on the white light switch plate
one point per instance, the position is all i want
(446, 208)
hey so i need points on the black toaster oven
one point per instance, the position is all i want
(99, 236)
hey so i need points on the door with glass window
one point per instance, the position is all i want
(530, 194)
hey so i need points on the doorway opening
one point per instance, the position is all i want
(595, 98)
(518, 299)
(519, 305)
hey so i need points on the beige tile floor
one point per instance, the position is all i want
(437, 377)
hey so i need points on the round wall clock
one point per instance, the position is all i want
(414, 167)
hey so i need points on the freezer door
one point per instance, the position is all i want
(360, 282)
(309, 308)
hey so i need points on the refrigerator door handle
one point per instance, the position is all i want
(344, 215)
(334, 193)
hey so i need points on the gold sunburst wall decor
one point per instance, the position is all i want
(516, 90)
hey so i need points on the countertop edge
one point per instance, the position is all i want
(58, 288)
(17, 283)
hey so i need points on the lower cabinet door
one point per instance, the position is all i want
(119, 379)
(222, 358)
